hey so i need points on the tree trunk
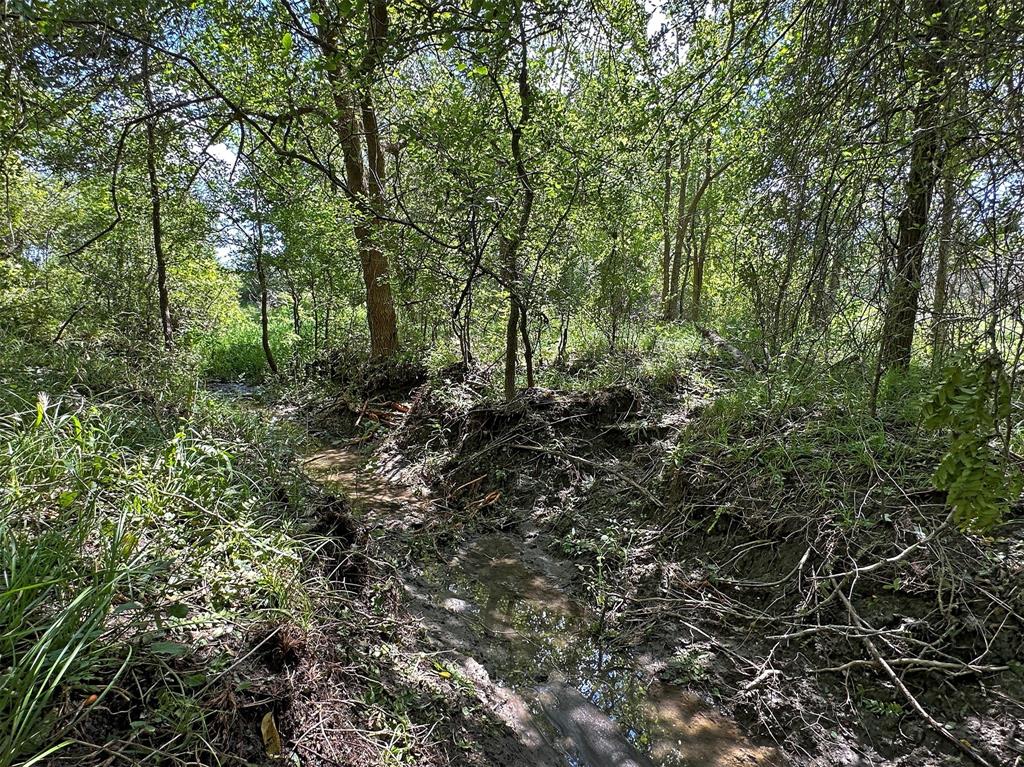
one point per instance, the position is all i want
(374, 155)
(825, 307)
(672, 307)
(163, 295)
(380, 303)
(563, 338)
(261, 276)
(511, 347)
(511, 245)
(461, 326)
(686, 215)
(925, 160)
(817, 287)
(940, 329)
(700, 255)
(364, 179)
(316, 314)
(296, 316)
(666, 204)
(527, 347)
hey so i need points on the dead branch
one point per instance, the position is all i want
(745, 361)
(913, 664)
(595, 465)
(894, 678)
(890, 560)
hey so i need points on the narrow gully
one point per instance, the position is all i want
(504, 602)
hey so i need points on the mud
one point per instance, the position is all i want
(503, 611)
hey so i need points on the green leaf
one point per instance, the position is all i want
(286, 42)
(170, 649)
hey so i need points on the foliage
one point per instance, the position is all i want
(735, 177)
(804, 447)
(116, 537)
(973, 404)
(582, 191)
(56, 608)
(232, 351)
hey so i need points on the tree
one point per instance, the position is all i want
(364, 161)
(163, 294)
(925, 164)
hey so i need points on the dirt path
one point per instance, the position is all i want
(500, 609)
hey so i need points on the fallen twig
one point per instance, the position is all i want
(894, 677)
(915, 663)
(767, 584)
(594, 464)
(890, 560)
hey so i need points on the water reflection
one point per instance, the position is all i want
(544, 636)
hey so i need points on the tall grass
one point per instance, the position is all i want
(59, 572)
(118, 531)
(55, 619)
(234, 351)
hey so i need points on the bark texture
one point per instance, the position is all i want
(359, 136)
(925, 163)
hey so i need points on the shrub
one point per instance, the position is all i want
(971, 403)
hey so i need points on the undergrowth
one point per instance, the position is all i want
(234, 352)
(131, 536)
(798, 446)
(169, 579)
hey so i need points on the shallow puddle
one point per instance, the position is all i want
(507, 606)
(600, 707)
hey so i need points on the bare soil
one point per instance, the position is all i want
(561, 504)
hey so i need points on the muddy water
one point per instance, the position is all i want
(504, 603)
(601, 706)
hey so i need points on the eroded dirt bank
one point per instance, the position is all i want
(631, 573)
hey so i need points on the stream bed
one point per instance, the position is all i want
(502, 604)
(595, 704)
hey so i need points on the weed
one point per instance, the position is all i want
(234, 352)
(115, 540)
(688, 667)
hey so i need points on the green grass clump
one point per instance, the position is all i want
(659, 358)
(234, 351)
(121, 532)
(794, 446)
(55, 608)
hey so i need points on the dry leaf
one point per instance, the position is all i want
(271, 737)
